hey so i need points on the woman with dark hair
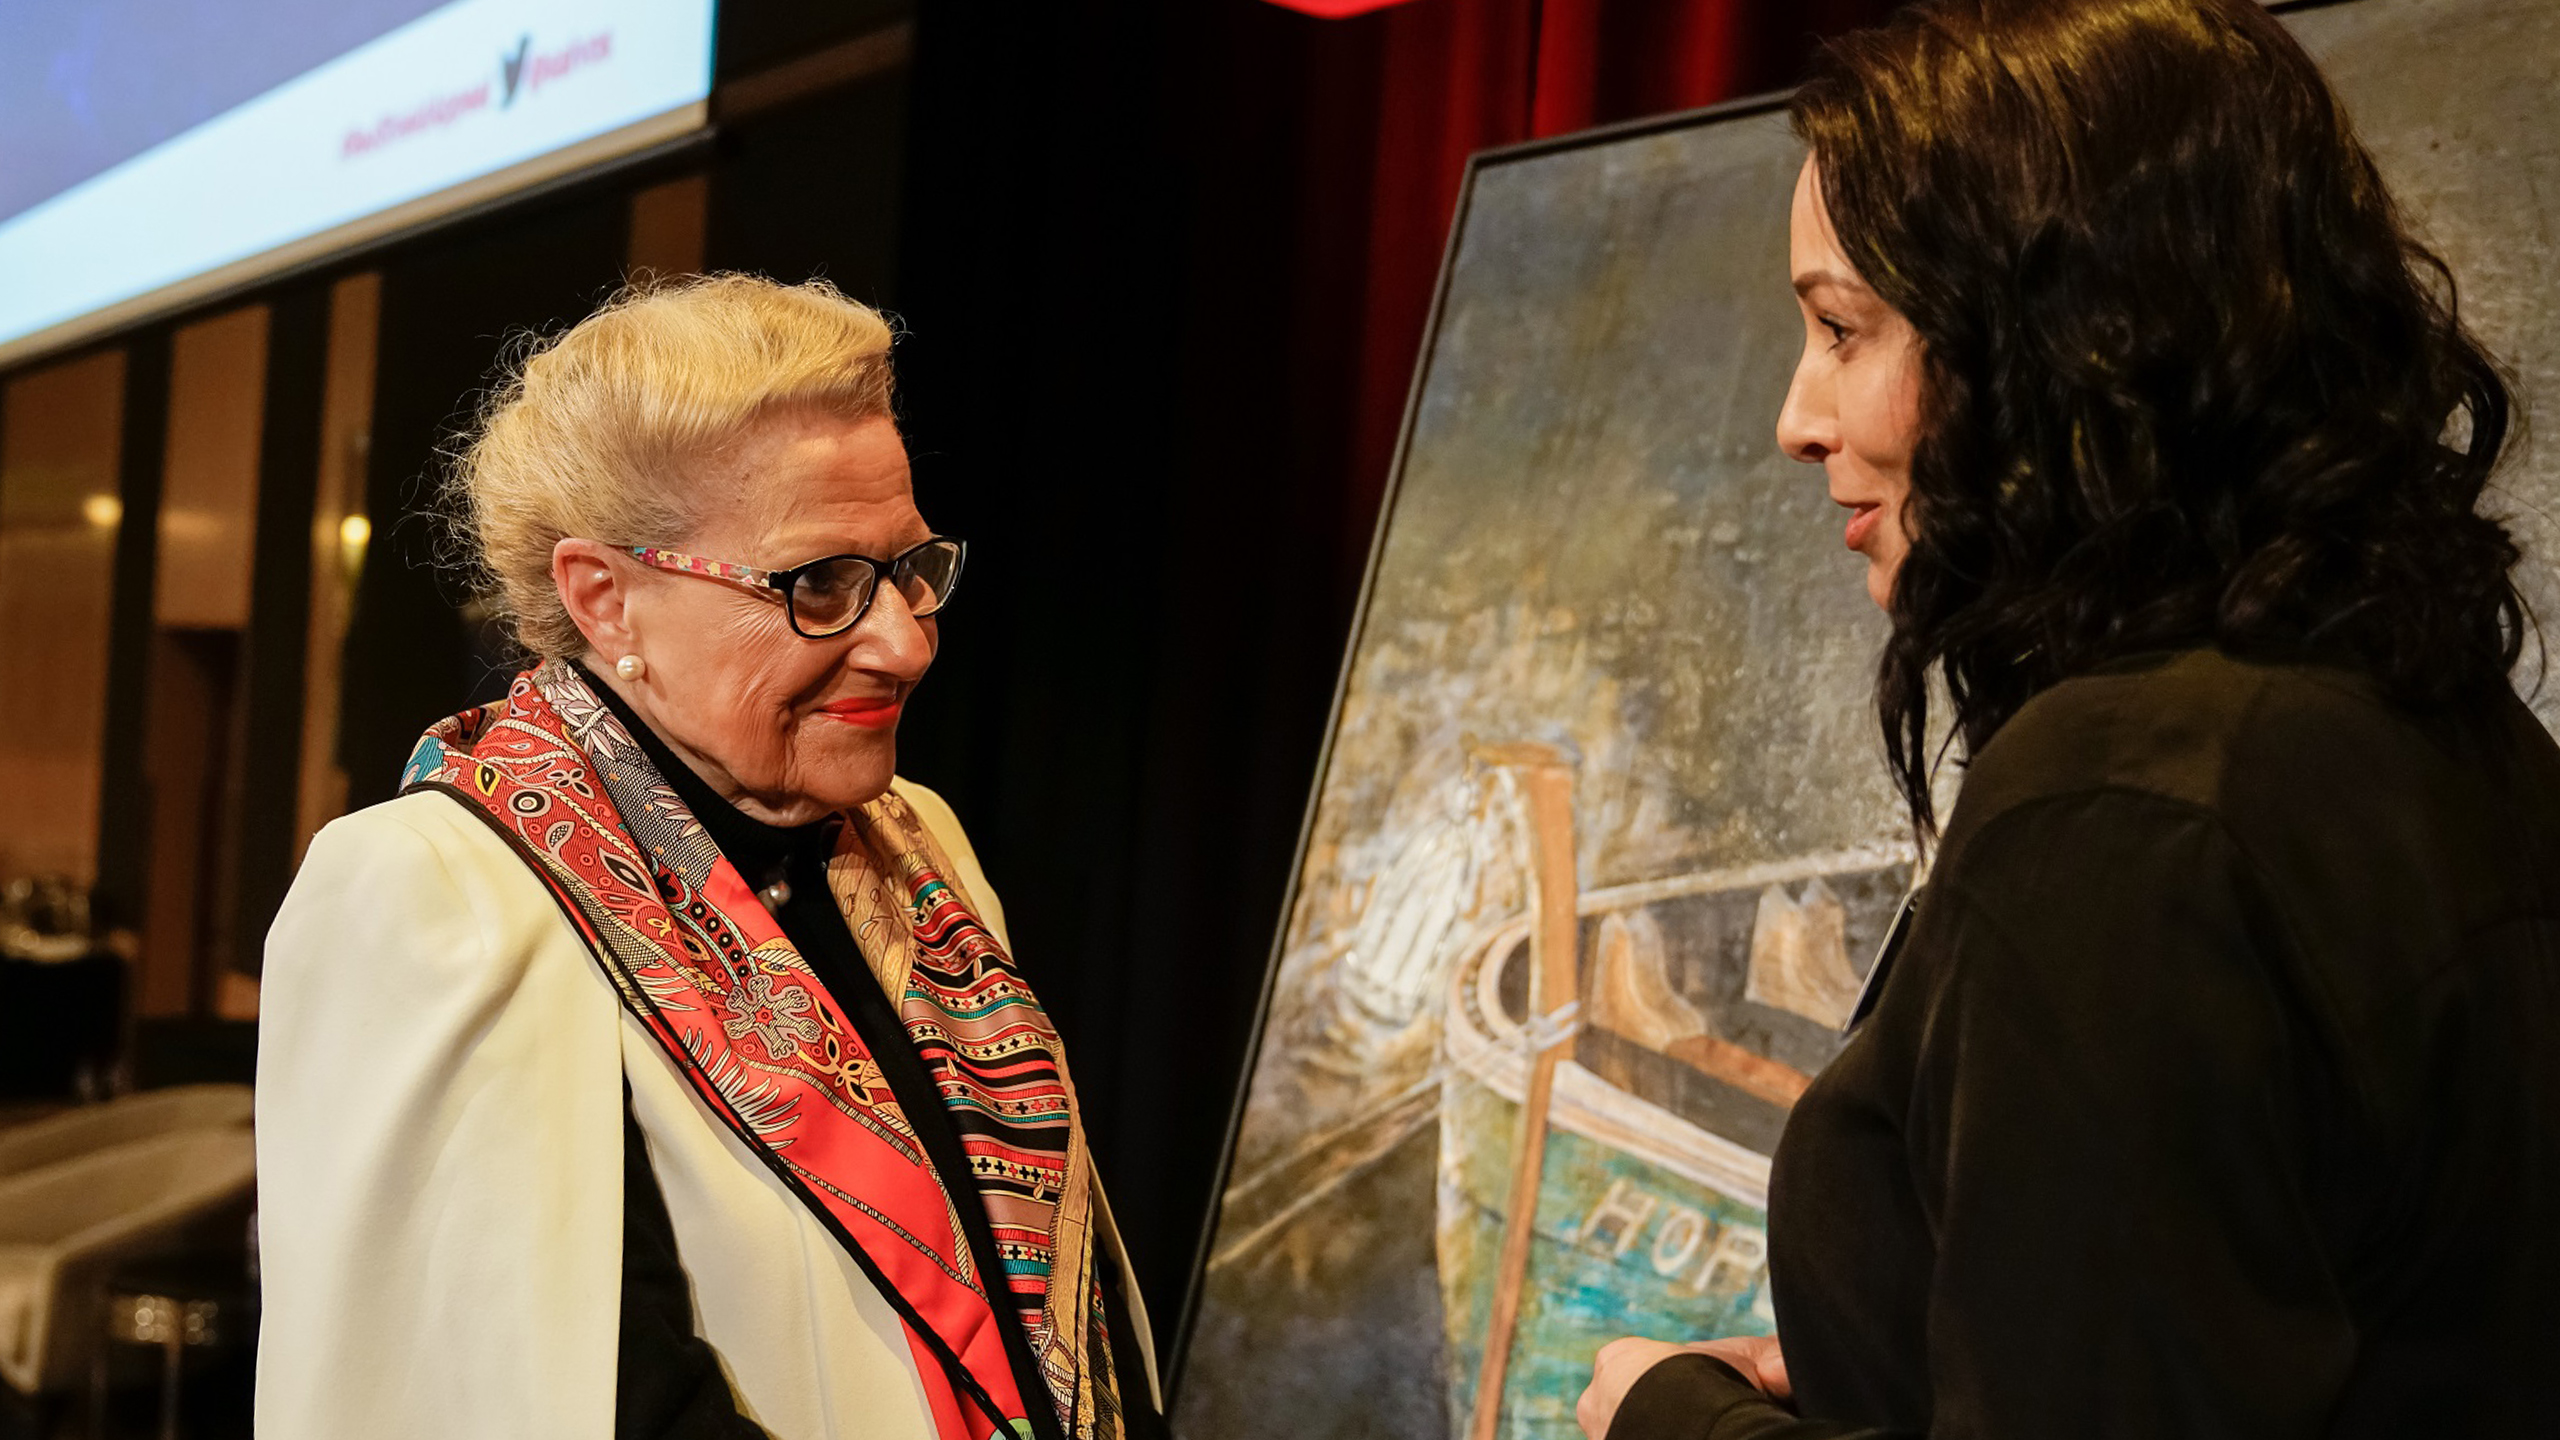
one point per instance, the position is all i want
(2216, 1090)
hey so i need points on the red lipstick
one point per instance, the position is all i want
(872, 712)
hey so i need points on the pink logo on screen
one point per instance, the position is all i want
(522, 74)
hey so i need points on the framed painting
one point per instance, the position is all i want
(1602, 841)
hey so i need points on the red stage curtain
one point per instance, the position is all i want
(1456, 76)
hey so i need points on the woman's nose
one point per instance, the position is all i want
(1806, 430)
(891, 639)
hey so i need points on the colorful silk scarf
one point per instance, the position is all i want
(704, 966)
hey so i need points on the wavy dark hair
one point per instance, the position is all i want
(2188, 378)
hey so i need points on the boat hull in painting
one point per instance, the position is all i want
(1646, 1220)
(1620, 1246)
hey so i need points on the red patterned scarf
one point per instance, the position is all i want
(702, 964)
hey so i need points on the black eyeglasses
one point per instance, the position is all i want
(830, 596)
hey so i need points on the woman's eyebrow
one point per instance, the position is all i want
(1812, 280)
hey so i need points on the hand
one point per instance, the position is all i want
(1757, 1357)
(1620, 1363)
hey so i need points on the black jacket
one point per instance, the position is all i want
(2215, 1094)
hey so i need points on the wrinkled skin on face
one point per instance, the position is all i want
(1854, 405)
(738, 694)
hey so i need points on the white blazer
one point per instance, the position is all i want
(440, 1073)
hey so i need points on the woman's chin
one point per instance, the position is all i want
(849, 776)
(1883, 565)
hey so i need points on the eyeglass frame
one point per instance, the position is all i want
(782, 581)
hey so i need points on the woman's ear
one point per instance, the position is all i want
(594, 588)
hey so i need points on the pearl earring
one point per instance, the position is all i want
(630, 667)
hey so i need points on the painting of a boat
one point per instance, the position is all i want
(1627, 1194)
(1600, 844)
(1594, 1081)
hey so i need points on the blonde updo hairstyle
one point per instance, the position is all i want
(611, 430)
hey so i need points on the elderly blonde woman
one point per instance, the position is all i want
(655, 1065)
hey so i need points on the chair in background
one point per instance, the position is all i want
(167, 1050)
(182, 1307)
(61, 994)
(65, 1225)
(92, 1128)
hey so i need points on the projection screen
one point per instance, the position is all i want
(161, 150)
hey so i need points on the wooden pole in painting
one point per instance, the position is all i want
(1548, 783)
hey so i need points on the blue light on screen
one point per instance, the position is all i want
(159, 144)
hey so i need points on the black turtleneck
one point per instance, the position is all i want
(786, 865)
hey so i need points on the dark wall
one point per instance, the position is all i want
(1132, 230)
(757, 35)
(412, 657)
(815, 188)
